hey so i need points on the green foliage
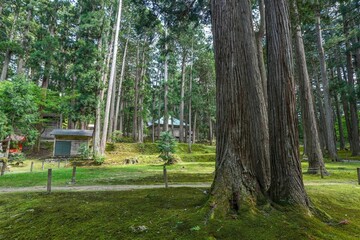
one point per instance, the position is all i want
(19, 108)
(99, 159)
(17, 158)
(117, 137)
(84, 151)
(166, 145)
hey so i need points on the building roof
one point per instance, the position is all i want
(176, 122)
(72, 132)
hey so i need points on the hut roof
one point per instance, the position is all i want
(72, 132)
(176, 122)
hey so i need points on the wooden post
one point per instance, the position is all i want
(321, 172)
(73, 179)
(42, 165)
(358, 173)
(3, 167)
(49, 180)
(165, 177)
(31, 166)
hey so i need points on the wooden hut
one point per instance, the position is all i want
(68, 141)
(173, 123)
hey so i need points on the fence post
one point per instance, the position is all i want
(165, 177)
(49, 180)
(31, 166)
(73, 179)
(321, 172)
(358, 173)
(42, 165)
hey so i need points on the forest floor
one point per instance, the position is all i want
(118, 201)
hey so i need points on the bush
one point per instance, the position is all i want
(84, 151)
(117, 137)
(99, 159)
(17, 158)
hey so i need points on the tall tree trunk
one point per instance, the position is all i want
(329, 123)
(354, 121)
(120, 84)
(166, 87)
(194, 128)
(321, 119)
(259, 35)
(112, 110)
(190, 100)
(242, 171)
(286, 178)
(111, 81)
(136, 93)
(341, 130)
(313, 149)
(25, 43)
(210, 131)
(7, 56)
(182, 95)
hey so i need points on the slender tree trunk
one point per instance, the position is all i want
(286, 178)
(321, 120)
(194, 128)
(111, 81)
(112, 111)
(341, 130)
(329, 123)
(25, 43)
(354, 121)
(312, 143)
(166, 87)
(136, 98)
(120, 84)
(182, 95)
(190, 100)
(7, 56)
(210, 131)
(242, 171)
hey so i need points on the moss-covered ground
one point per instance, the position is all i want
(166, 213)
(171, 214)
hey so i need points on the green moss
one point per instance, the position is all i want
(171, 214)
(210, 157)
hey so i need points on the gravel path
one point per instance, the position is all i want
(137, 187)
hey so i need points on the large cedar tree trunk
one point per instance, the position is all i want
(286, 178)
(242, 161)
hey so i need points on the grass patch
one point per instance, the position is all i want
(169, 214)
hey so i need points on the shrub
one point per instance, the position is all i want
(117, 137)
(99, 159)
(84, 151)
(166, 145)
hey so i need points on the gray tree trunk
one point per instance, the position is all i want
(286, 178)
(25, 43)
(242, 171)
(7, 56)
(312, 143)
(182, 95)
(329, 123)
(166, 87)
(111, 81)
(136, 98)
(118, 105)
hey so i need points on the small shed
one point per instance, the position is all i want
(173, 123)
(68, 141)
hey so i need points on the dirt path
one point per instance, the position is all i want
(137, 187)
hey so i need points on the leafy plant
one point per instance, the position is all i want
(17, 158)
(98, 159)
(117, 137)
(84, 151)
(167, 145)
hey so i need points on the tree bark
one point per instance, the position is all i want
(120, 85)
(287, 185)
(166, 87)
(182, 95)
(25, 43)
(242, 171)
(111, 81)
(194, 128)
(341, 129)
(136, 98)
(354, 121)
(329, 123)
(312, 143)
(7, 56)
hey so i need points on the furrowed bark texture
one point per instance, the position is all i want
(242, 161)
(313, 149)
(286, 178)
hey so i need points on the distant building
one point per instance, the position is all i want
(50, 122)
(68, 141)
(171, 122)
